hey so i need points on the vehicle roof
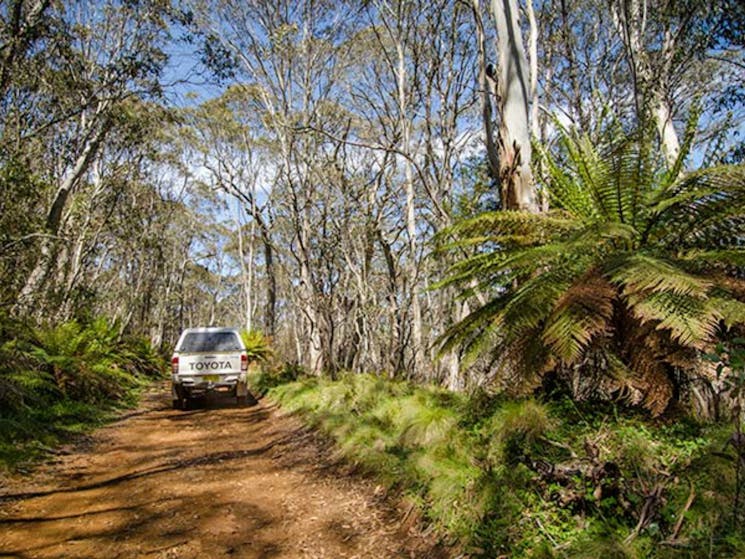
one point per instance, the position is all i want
(212, 329)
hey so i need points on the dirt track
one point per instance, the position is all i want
(219, 481)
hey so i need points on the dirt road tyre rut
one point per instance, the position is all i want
(222, 481)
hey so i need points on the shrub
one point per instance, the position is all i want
(257, 345)
(514, 429)
(61, 379)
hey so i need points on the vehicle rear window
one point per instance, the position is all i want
(197, 342)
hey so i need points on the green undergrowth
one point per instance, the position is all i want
(264, 374)
(62, 380)
(532, 478)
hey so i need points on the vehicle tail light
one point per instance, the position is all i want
(244, 362)
(174, 364)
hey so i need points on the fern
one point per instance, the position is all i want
(257, 345)
(584, 312)
(637, 269)
(90, 363)
(641, 273)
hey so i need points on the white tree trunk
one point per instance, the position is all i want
(666, 130)
(535, 128)
(488, 92)
(313, 360)
(514, 132)
(630, 19)
(411, 227)
(246, 270)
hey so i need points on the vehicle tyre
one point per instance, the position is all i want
(247, 400)
(177, 404)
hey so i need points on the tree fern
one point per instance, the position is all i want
(636, 270)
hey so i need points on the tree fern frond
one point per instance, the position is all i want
(616, 366)
(582, 312)
(602, 234)
(639, 274)
(526, 260)
(652, 381)
(520, 362)
(620, 382)
(726, 257)
(547, 256)
(472, 326)
(731, 310)
(689, 320)
(701, 184)
(728, 286)
(471, 268)
(504, 319)
(532, 302)
(612, 187)
(724, 229)
(529, 358)
(592, 171)
(707, 200)
(492, 225)
(603, 182)
(566, 191)
(488, 339)
(498, 284)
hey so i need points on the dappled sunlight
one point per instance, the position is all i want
(207, 482)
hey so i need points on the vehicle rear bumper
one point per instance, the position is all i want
(195, 386)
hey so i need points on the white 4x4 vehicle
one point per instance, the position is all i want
(206, 360)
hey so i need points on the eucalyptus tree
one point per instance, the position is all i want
(448, 134)
(288, 54)
(354, 125)
(141, 228)
(229, 136)
(511, 92)
(641, 60)
(393, 97)
(23, 24)
(102, 55)
(410, 91)
(583, 69)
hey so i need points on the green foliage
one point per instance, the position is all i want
(410, 437)
(264, 376)
(61, 379)
(262, 373)
(20, 193)
(257, 345)
(631, 275)
(515, 429)
(730, 371)
(483, 469)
